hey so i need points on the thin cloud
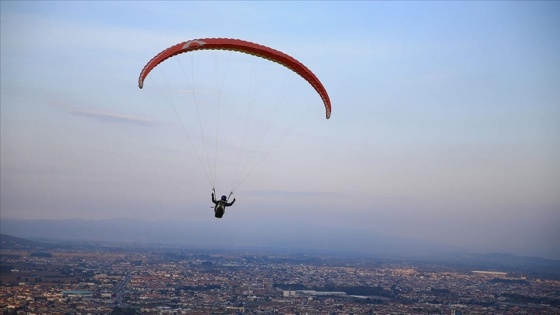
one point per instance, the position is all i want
(293, 193)
(111, 117)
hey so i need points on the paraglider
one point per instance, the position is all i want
(244, 168)
(220, 205)
(243, 47)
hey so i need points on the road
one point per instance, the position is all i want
(119, 289)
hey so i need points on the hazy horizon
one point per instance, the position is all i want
(200, 234)
(445, 125)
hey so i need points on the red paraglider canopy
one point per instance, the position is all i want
(244, 47)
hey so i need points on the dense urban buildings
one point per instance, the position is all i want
(124, 280)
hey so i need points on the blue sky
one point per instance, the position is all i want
(445, 123)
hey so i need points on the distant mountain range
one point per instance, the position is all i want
(301, 236)
(514, 265)
(34, 234)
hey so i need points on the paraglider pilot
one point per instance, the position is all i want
(220, 205)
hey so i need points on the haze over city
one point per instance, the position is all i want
(445, 126)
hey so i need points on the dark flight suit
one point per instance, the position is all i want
(220, 206)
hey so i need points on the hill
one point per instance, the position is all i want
(12, 242)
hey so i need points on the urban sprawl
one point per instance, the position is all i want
(167, 281)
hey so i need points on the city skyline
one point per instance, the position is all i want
(103, 278)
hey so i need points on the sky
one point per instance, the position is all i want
(445, 123)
